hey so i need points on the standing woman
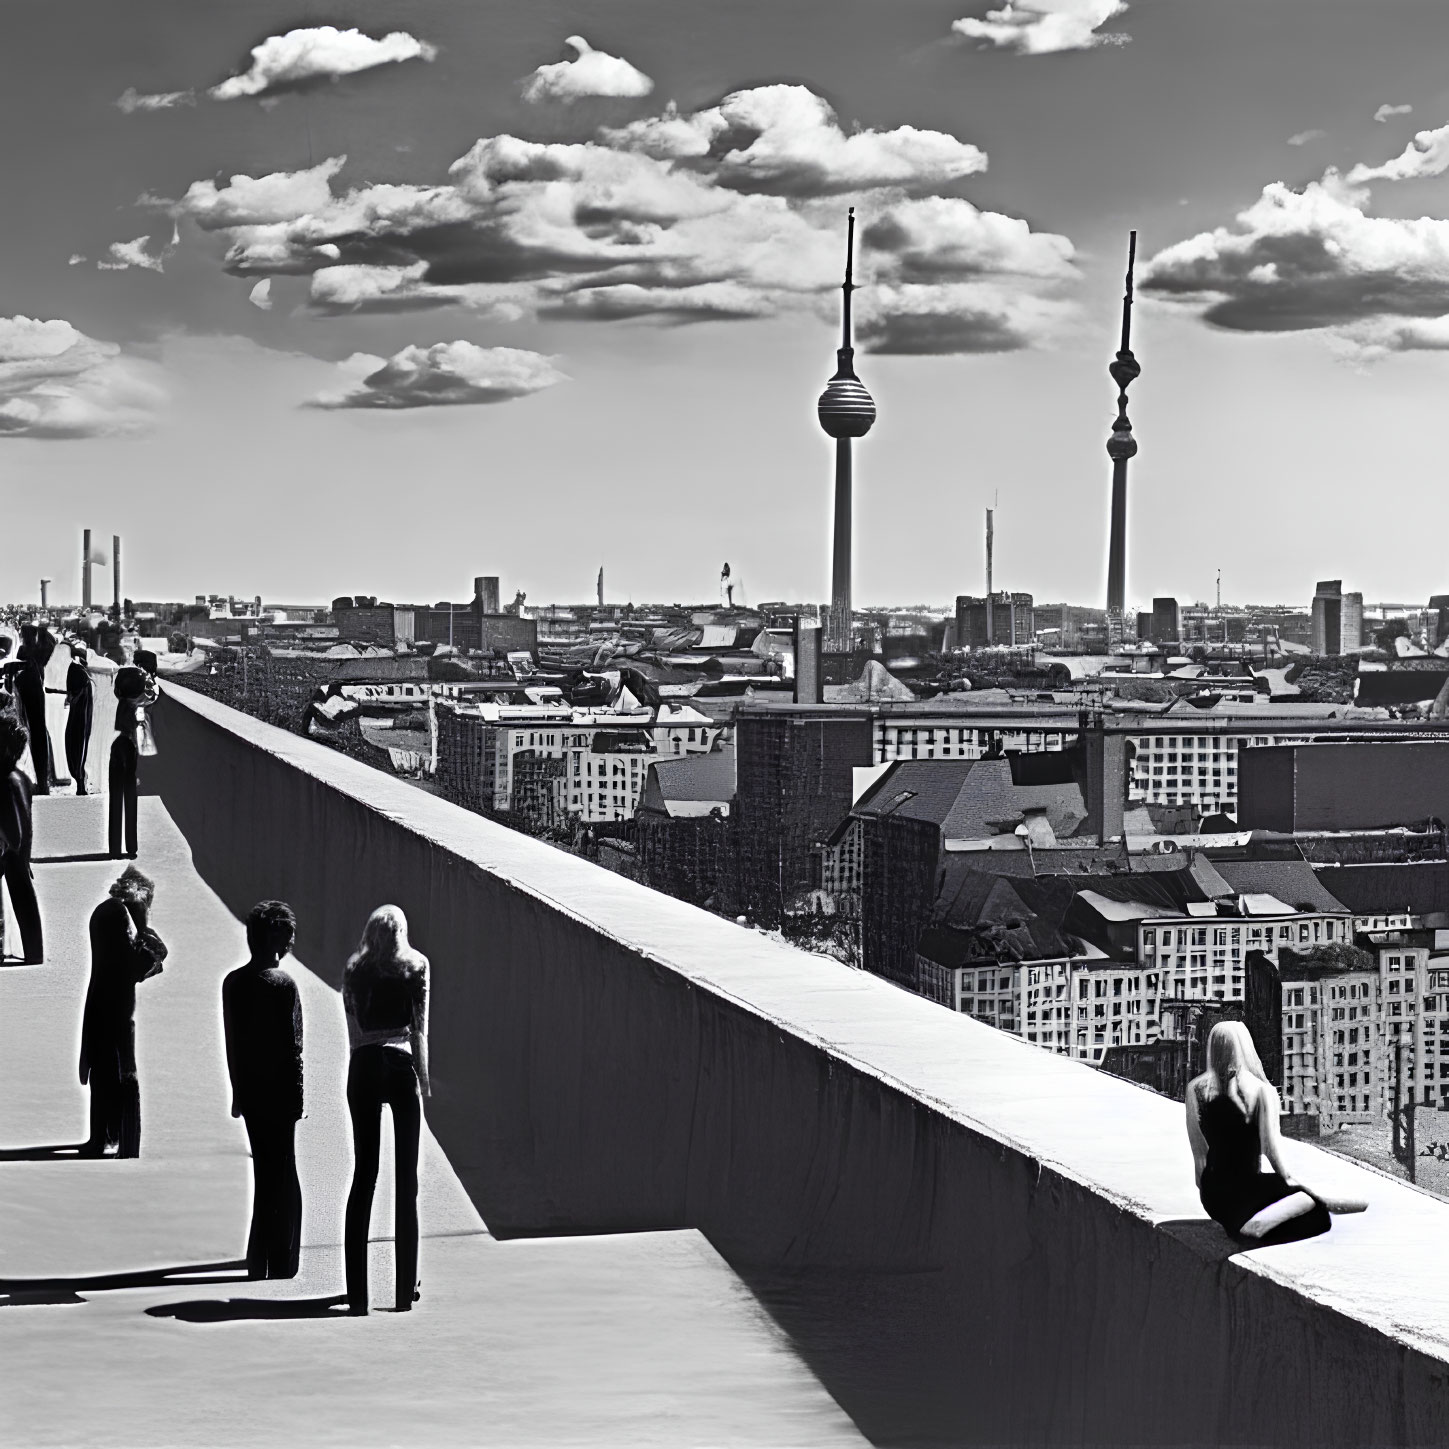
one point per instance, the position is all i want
(79, 702)
(1232, 1124)
(385, 995)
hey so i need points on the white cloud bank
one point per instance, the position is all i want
(315, 54)
(732, 211)
(1314, 259)
(448, 374)
(1044, 27)
(590, 73)
(57, 383)
(1386, 112)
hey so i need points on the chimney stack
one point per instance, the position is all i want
(86, 571)
(116, 572)
(485, 594)
(807, 660)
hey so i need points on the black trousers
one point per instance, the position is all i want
(77, 741)
(116, 1096)
(379, 1074)
(275, 1244)
(15, 870)
(32, 707)
(123, 795)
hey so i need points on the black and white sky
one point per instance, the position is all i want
(307, 300)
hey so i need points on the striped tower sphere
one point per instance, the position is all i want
(846, 409)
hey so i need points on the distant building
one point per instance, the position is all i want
(365, 621)
(795, 784)
(1353, 785)
(1013, 622)
(685, 827)
(1337, 619)
(1166, 621)
(555, 763)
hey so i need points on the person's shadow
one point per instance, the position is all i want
(52, 1152)
(19, 1292)
(231, 1310)
(1203, 1237)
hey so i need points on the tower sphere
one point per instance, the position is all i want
(846, 409)
(1121, 445)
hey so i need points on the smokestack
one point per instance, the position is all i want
(116, 572)
(601, 586)
(807, 660)
(44, 594)
(86, 571)
(990, 601)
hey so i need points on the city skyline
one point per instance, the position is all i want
(1011, 273)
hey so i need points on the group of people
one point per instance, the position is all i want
(23, 727)
(385, 1000)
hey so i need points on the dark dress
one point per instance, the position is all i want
(262, 1014)
(121, 956)
(81, 693)
(1234, 1186)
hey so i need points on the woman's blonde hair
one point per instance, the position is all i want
(385, 941)
(1230, 1054)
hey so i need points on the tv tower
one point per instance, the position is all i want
(846, 411)
(1120, 447)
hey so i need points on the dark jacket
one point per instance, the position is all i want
(262, 1016)
(15, 814)
(121, 956)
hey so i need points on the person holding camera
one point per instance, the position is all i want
(135, 689)
(124, 952)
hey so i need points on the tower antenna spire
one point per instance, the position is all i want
(849, 285)
(1121, 446)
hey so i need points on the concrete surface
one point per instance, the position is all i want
(122, 1317)
(971, 1241)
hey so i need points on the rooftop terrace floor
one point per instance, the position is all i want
(130, 1321)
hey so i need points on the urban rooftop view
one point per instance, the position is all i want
(1013, 1014)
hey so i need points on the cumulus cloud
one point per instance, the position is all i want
(313, 55)
(448, 374)
(1041, 27)
(260, 296)
(131, 100)
(252, 201)
(1313, 259)
(963, 317)
(57, 383)
(786, 140)
(728, 212)
(1386, 112)
(590, 73)
(1426, 155)
(122, 256)
(1302, 138)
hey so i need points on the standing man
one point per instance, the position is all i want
(80, 702)
(262, 1017)
(15, 842)
(134, 691)
(124, 951)
(30, 691)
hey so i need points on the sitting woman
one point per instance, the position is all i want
(1232, 1123)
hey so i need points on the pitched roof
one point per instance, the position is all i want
(1293, 881)
(675, 785)
(970, 799)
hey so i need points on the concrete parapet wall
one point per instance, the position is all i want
(971, 1241)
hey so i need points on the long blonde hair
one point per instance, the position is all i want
(385, 943)
(1231, 1054)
